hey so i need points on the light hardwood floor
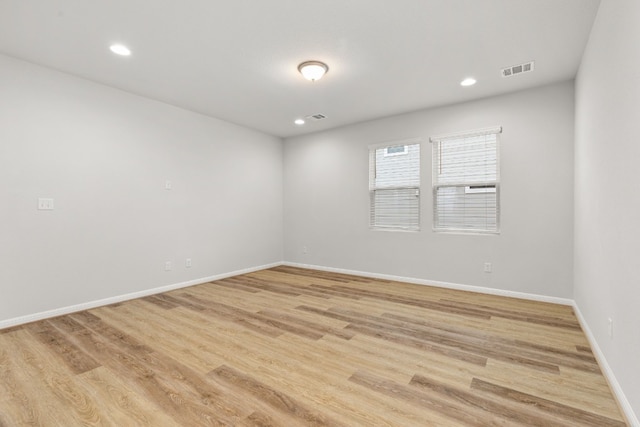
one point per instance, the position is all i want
(291, 347)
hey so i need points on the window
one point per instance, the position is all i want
(396, 150)
(394, 186)
(480, 189)
(466, 181)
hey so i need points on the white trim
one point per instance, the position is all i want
(468, 133)
(447, 285)
(623, 402)
(119, 298)
(465, 232)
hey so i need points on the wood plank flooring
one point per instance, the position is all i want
(288, 347)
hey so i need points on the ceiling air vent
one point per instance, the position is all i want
(517, 69)
(316, 117)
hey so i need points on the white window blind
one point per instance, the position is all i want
(466, 181)
(394, 186)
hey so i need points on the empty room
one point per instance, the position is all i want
(342, 213)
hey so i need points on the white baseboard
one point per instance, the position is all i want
(456, 286)
(625, 406)
(119, 298)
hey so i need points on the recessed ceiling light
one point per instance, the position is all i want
(120, 49)
(313, 70)
(469, 81)
(299, 122)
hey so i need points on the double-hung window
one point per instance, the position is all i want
(466, 181)
(394, 185)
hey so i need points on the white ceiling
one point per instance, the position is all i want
(237, 59)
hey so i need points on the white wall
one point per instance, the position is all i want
(104, 156)
(607, 202)
(327, 199)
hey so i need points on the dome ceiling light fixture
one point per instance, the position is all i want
(313, 70)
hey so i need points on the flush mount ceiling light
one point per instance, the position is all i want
(313, 70)
(469, 81)
(299, 122)
(120, 49)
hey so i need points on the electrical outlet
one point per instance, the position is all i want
(45, 204)
(610, 329)
(488, 267)
(168, 185)
(187, 263)
(168, 265)
(304, 250)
